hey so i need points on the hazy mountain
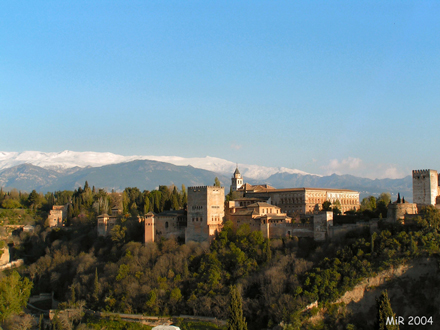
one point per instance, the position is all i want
(27, 177)
(147, 174)
(60, 161)
(144, 174)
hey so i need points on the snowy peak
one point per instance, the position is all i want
(60, 161)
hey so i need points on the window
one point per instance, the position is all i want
(166, 224)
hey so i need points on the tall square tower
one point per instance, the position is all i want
(425, 187)
(206, 210)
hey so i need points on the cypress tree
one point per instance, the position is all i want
(373, 238)
(267, 251)
(384, 313)
(96, 289)
(236, 320)
(146, 204)
(40, 322)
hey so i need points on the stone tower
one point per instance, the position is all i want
(425, 187)
(206, 210)
(149, 227)
(237, 180)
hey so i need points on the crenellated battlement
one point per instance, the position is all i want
(203, 187)
(417, 173)
(425, 186)
(198, 188)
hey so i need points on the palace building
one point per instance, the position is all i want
(275, 212)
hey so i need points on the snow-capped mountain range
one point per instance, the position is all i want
(68, 170)
(60, 161)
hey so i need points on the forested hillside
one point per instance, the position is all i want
(277, 279)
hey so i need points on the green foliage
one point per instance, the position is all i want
(384, 312)
(197, 325)
(114, 324)
(217, 182)
(236, 319)
(326, 206)
(11, 204)
(14, 294)
(432, 216)
(277, 277)
(117, 234)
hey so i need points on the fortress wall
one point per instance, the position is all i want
(398, 211)
(168, 227)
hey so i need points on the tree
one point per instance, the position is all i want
(117, 234)
(267, 251)
(183, 197)
(146, 204)
(217, 182)
(368, 203)
(384, 313)
(337, 207)
(326, 206)
(431, 215)
(14, 294)
(11, 204)
(95, 295)
(373, 238)
(382, 204)
(236, 320)
(385, 197)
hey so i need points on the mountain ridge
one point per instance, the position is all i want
(149, 174)
(60, 161)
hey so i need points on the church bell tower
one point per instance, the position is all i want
(237, 180)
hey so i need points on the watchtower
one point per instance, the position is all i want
(425, 187)
(149, 227)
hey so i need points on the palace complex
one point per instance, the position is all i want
(275, 212)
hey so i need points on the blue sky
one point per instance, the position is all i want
(322, 86)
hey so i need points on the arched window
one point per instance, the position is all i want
(166, 224)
